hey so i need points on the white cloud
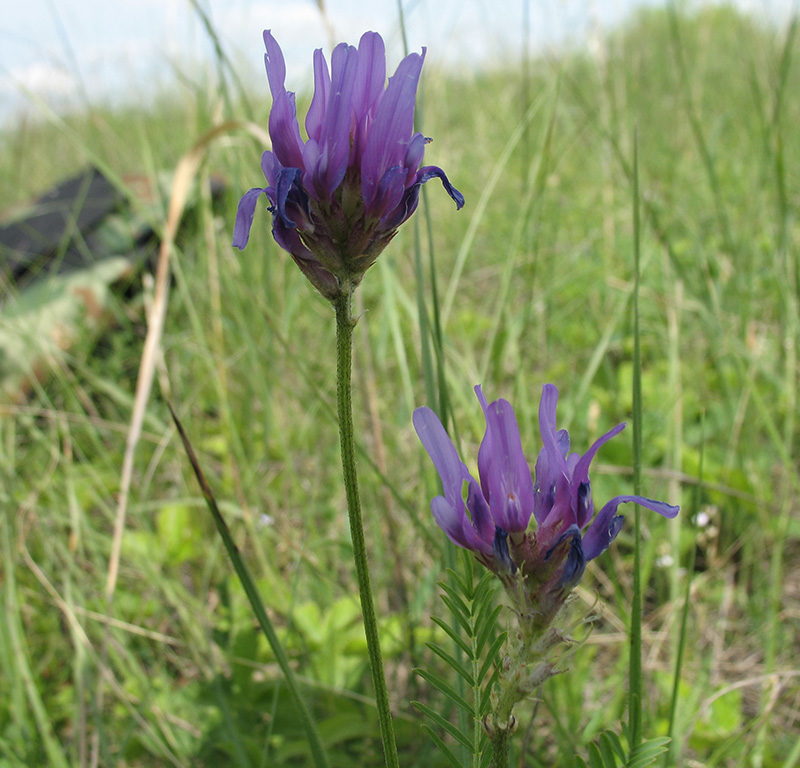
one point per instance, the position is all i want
(113, 47)
(42, 79)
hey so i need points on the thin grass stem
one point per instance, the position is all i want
(635, 664)
(671, 757)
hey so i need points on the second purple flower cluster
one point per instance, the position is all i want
(491, 518)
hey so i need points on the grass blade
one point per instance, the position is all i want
(317, 751)
(635, 668)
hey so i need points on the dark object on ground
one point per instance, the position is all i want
(47, 237)
(67, 268)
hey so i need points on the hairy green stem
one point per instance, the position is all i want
(345, 324)
(527, 669)
(500, 748)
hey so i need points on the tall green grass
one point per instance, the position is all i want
(534, 283)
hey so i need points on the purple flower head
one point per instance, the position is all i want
(481, 517)
(338, 198)
(491, 518)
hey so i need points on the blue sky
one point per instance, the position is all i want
(68, 51)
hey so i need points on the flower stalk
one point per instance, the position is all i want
(337, 199)
(345, 324)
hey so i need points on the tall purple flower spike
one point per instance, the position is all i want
(338, 198)
(498, 511)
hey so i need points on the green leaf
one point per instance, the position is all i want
(443, 748)
(648, 752)
(444, 724)
(491, 655)
(178, 532)
(483, 597)
(487, 692)
(464, 622)
(318, 753)
(464, 586)
(609, 748)
(454, 663)
(596, 758)
(441, 685)
(453, 635)
(456, 604)
(487, 627)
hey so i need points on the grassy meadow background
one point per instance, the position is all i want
(530, 283)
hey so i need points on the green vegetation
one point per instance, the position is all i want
(534, 284)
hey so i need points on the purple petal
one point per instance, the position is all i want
(410, 199)
(482, 520)
(447, 518)
(502, 557)
(369, 85)
(607, 524)
(440, 448)
(288, 239)
(312, 159)
(276, 66)
(371, 74)
(575, 561)
(581, 492)
(338, 119)
(581, 472)
(544, 489)
(552, 472)
(414, 154)
(390, 191)
(505, 475)
(270, 167)
(315, 118)
(244, 217)
(288, 179)
(392, 127)
(553, 444)
(401, 213)
(430, 172)
(663, 509)
(283, 128)
(448, 511)
(457, 526)
(603, 530)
